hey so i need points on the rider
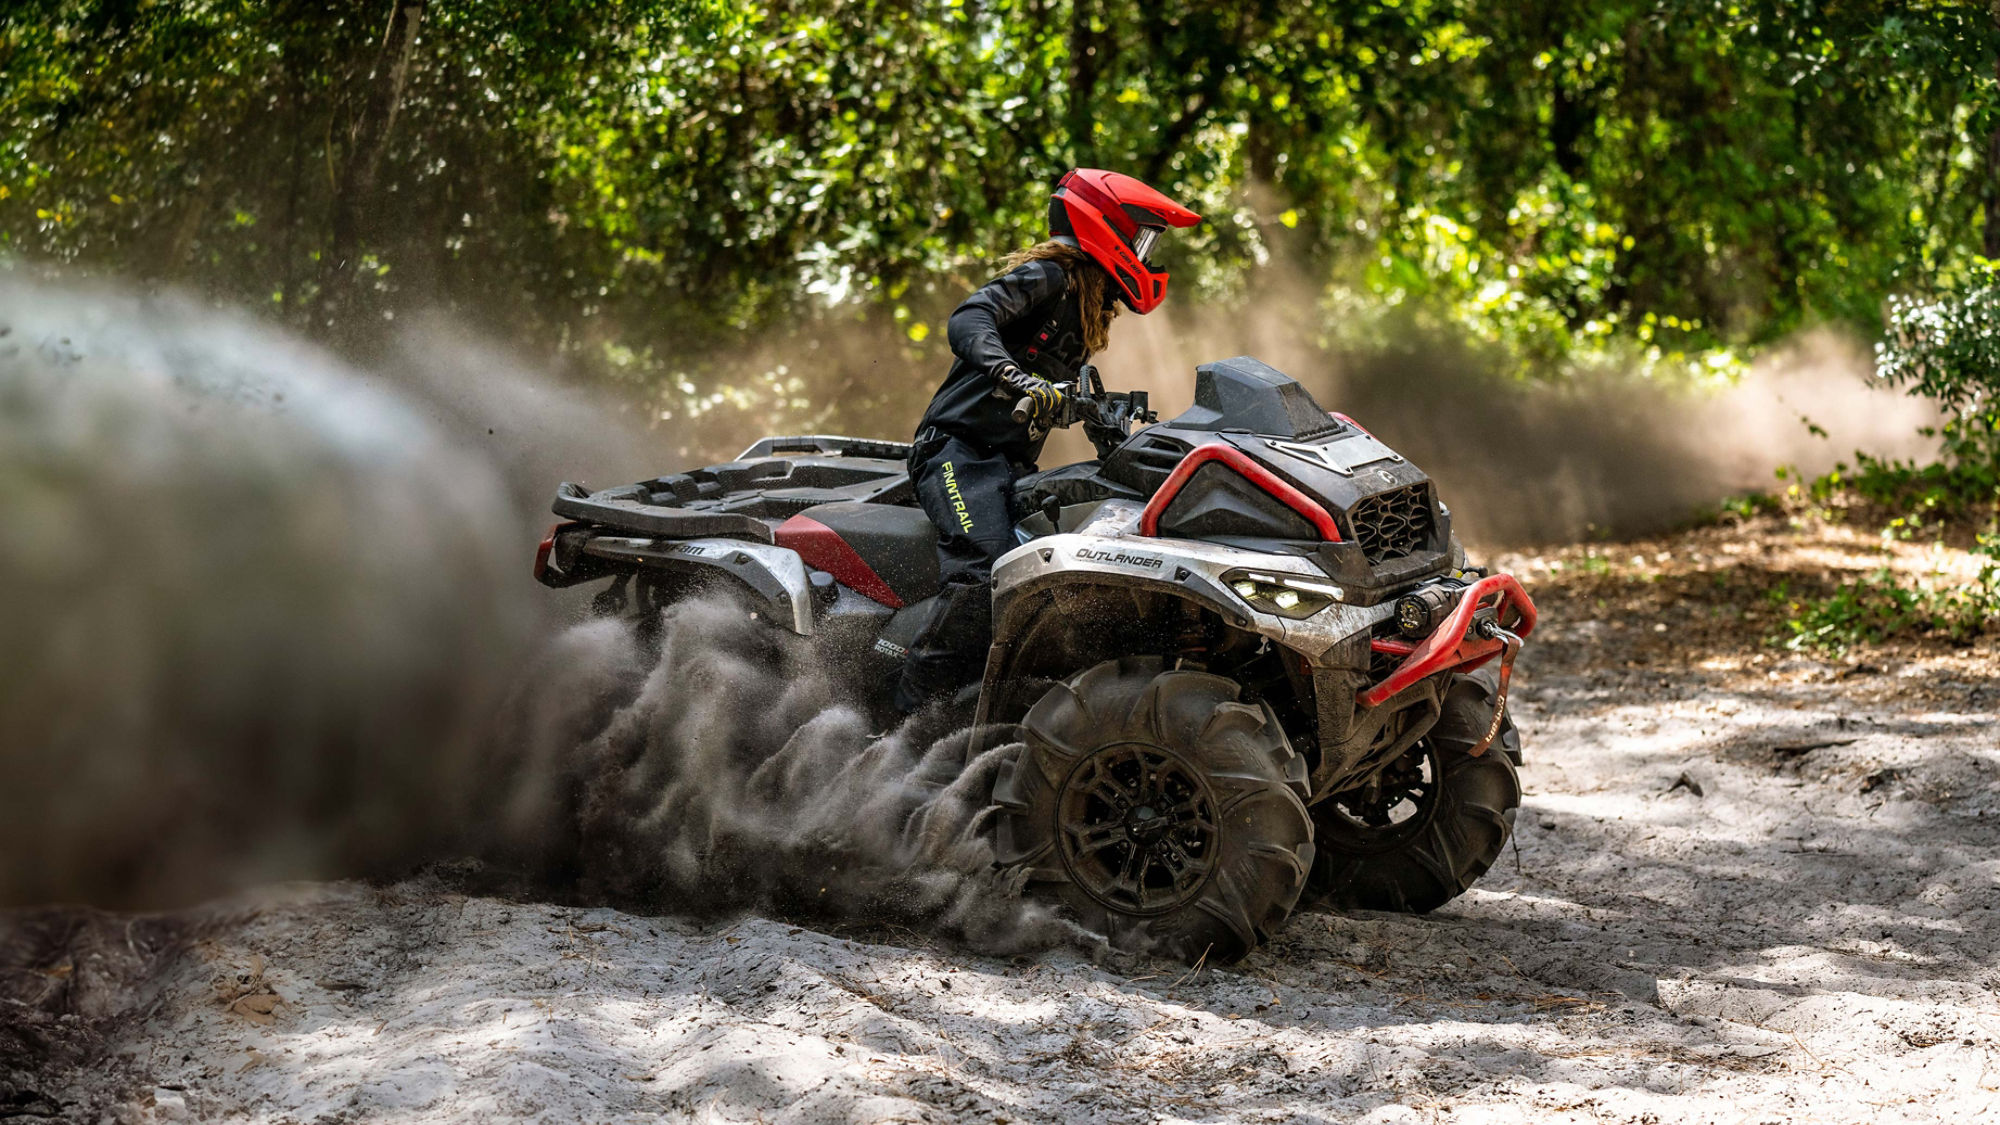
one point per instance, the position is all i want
(1023, 335)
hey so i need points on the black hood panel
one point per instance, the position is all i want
(1249, 394)
(1393, 527)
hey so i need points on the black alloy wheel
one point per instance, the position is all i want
(1162, 810)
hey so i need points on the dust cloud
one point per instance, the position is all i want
(1605, 455)
(535, 430)
(719, 767)
(268, 616)
(252, 607)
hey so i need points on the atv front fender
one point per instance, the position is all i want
(1191, 570)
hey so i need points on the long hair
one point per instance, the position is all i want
(1089, 280)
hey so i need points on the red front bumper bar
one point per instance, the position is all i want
(1453, 646)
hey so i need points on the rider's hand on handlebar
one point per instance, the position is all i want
(1040, 399)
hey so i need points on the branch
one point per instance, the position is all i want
(354, 191)
(1172, 136)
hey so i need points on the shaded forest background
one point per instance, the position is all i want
(750, 213)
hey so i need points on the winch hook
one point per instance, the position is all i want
(1510, 647)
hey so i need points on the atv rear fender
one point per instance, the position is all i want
(774, 580)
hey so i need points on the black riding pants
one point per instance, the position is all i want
(969, 496)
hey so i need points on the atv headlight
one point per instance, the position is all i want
(1282, 594)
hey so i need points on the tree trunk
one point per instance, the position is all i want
(1191, 116)
(1570, 117)
(361, 162)
(1081, 118)
(288, 244)
(1991, 241)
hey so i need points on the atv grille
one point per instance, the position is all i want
(1392, 525)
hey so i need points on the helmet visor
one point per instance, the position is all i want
(1142, 243)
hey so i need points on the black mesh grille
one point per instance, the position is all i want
(1392, 525)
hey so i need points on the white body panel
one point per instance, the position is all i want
(1110, 544)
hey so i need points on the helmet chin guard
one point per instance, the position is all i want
(1116, 220)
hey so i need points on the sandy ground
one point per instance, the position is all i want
(1749, 886)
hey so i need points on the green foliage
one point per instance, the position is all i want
(1922, 494)
(1883, 606)
(1946, 348)
(649, 186)
(1747, 506)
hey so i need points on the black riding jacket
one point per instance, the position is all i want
(1027, 317)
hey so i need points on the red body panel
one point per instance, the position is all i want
(1449, 648)
(1339, 417)
(1241, 462)
(822, 548)
(547, 547)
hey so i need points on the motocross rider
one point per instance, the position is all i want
(1023, 335)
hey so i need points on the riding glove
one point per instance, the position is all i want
(1046, 396)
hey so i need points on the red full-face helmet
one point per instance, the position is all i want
(1116, 219)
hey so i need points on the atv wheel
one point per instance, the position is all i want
(1166, 813)
(1433, 825)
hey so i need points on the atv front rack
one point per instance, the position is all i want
(1456, 645)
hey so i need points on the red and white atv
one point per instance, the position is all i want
(1241, 651)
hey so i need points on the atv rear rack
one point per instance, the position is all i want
(773, 480)
(633, 514)
(829, 444)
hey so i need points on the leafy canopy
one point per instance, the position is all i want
(646, 184)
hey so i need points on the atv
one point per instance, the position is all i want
(1240, 653)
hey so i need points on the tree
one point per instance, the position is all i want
(644, 185)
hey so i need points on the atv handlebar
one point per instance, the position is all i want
(1116, 409)
(1070, 410)
(1107, 416)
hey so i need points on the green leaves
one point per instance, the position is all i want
(1884, 605)
(1946, 347)
(1663, 183)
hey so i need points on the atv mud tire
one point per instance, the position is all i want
(1164, 811)
(1461, 813)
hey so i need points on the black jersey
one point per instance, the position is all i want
(1027, 317)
